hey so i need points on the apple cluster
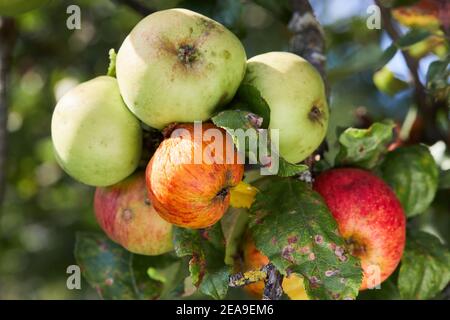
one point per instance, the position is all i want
(177, 67)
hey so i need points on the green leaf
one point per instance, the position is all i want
(388, 291)
(413, 175)
(236, 123)
(444, 180)
(425, 267)
(412, 37)
(249, 98)
(364, 147)
(206, 249)
(112, 63)
(293, 227)
(110, 269)
(437, 78)
(387, 55)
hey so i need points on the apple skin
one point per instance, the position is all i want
(96, 139)
(254, 259)
(16, 7)
(295, 93)
(127, 216)
(179, 66)
(187, 194)
(369, 217)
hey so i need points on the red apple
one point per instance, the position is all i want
(369, 217)
(190, 192)
(127, 216)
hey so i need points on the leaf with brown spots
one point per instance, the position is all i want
(206, 249)
(293, 227)
(113, 271)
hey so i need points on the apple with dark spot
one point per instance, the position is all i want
(127, 216)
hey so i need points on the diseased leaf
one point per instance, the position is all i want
(364, 147)
(293, 227)
(206, 249)
(243, 128)
(425, 267)
(413, 175)
(114, 272)
(250, 98)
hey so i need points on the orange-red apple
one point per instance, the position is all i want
(127, 216)
(369, 217)
(190, 175)
(254, 260)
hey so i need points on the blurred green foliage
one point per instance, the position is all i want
(44, 208)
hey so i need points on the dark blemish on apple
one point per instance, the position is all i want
(147, 202)
(361, 149)
(226, 54)
(223, 193)
(315, 114)
(127, 215)
(187, 54)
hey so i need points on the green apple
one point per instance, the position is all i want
(295, 94)
(178, 66)
(97, 140)
(16, 7)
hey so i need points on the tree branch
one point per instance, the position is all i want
(308, 39)
(137, 6)
(7, 39)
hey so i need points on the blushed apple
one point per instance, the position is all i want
(369, 217)
(193, 194)
(96, 139)
(295, 93)
(127, 216)
(178, 66)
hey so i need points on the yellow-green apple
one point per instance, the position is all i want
(127, 216)
(190, 175)
(96, 139)
(16, 7)
(369, 217)
(253, 260)
(178, 66)
(295, 94)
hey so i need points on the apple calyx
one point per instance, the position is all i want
(315, 114)
(355, 247)
(187, 54)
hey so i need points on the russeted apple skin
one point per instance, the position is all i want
(96, 139)
(187, 194)
(369, 217)
(127, 216)
(16, 7)
(295, 93)
(254, 259)
(178, 66)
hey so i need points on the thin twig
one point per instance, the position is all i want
(7, 40)
(137, 6)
